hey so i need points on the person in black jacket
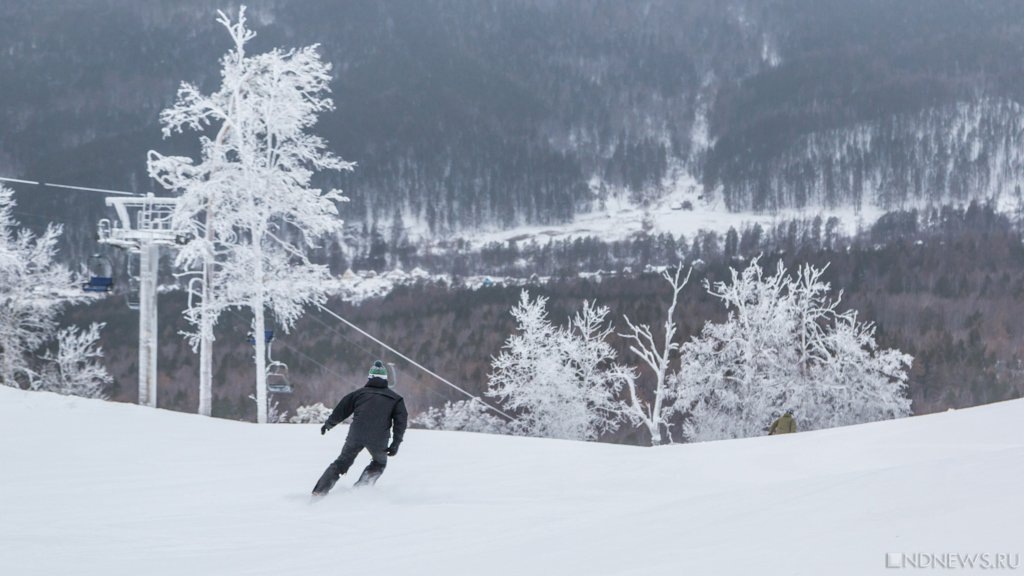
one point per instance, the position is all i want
(376, 410)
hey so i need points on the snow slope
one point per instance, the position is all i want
(89, 487)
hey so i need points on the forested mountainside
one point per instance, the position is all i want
(946, 154)
(502, 112)
(944, 286)
(900, 71)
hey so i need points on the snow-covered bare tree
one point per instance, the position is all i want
(311, 414)
(562, 382)
(592, 366)
(529, 376)
(783, 347)
(274, 413)
(76, 369)
(248, 206)
(465, 415)
(856, 381)
(654, 410)
(733, 368)
(33, 290)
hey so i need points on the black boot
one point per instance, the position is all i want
(326, 482)
(370, 474)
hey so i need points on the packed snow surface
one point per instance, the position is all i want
(89, 487)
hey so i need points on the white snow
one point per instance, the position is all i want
(95, 488)
(357, 287)
(622, 218)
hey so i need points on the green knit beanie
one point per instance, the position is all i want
(378, 370)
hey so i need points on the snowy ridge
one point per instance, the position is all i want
(90, 487)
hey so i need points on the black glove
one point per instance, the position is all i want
(324, 429)
(393, 449)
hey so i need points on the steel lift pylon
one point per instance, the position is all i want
(142, 227)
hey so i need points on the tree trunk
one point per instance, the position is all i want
(206, 376)
(206, 350)
(8, 368)
(659, 399)
(259, 327)
(655, 429)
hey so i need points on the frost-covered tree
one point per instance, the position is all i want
(654, 410)
(529, 376)
(857, 381)
(592, 365)
(562, 382)
(311, 414)
(247, 205)
(76, 369)
(33, 290)
(274, 413)
(783, 347)
(465, 415)
(733, 368)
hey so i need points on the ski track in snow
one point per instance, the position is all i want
(98, 488)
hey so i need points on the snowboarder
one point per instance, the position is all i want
(377, 409)
(784, 424)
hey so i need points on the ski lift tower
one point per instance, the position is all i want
(143, 225)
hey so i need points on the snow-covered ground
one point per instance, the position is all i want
(622, 220)
(95, 488)
(683, 209)
(357, 287)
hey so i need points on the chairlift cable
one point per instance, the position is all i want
(413, 362)
(42, 217)
(292, 348)
(69, 187)
(336, 332)
(342, 335)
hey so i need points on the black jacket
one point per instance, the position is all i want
(375, 409)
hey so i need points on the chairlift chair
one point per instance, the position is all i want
(103, 228)
(268, 337)
(132, 271)
(101, 274)
(277, 378)
(132, 296)
(277, 371)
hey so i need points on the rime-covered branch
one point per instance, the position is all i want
(655, 413)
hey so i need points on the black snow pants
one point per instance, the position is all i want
(344, 461)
